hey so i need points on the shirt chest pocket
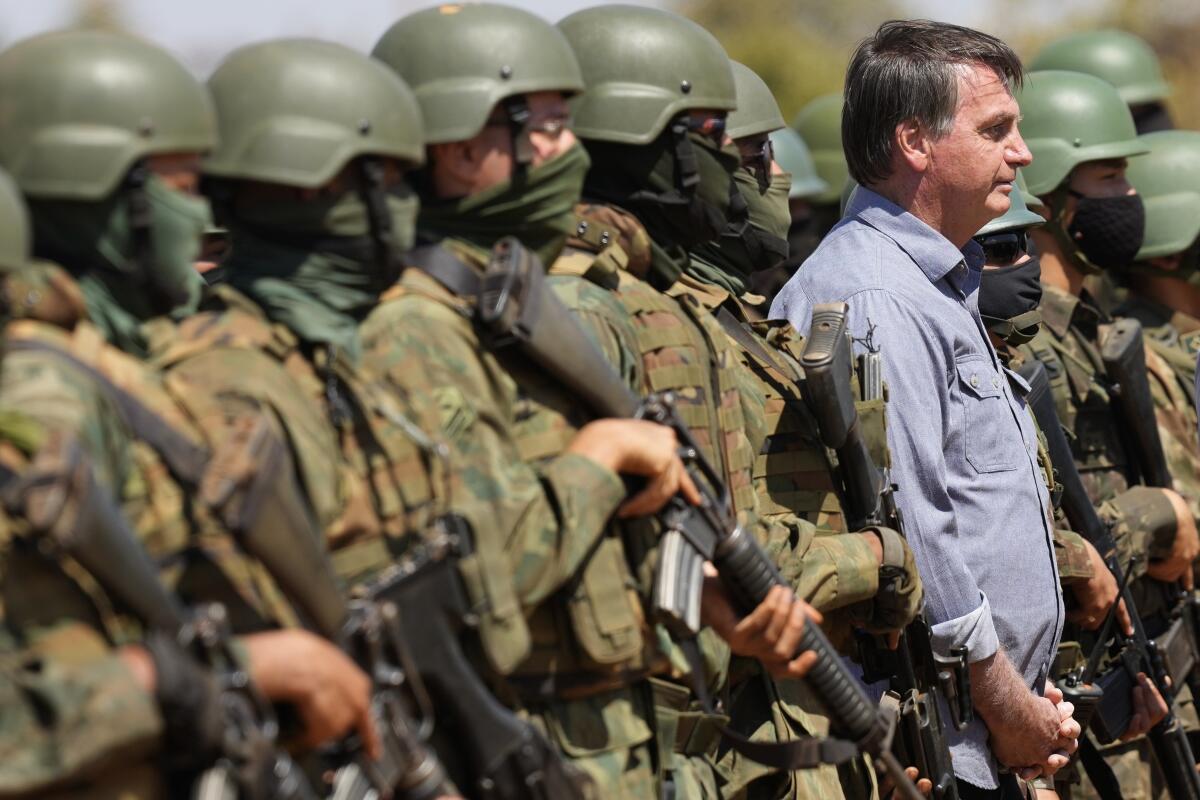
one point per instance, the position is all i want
(987, 435)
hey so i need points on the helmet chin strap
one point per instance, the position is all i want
(374, 197)
(141, 218)
(518, 114)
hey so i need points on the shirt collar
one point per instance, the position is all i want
(1060, 309)
(932, 252)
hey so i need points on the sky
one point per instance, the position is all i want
(201, 32)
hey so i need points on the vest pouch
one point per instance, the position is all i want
(503, 631)
(604, 607)
(603, 723)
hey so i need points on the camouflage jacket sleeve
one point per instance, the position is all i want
(70, 710)
(1071, 553)
(547, 519)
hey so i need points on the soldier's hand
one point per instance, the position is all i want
(1149, 708)
(770, 633)
(641, 448)
(924, 785)
(331, 694)
(1094, 596)
(1177, 565)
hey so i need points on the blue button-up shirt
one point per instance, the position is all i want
(963, 446)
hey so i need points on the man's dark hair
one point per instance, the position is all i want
(909, 70)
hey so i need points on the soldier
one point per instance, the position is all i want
(655, 176)
(1122, 59)
(819, 123)
(1095, 221)
(503, 160)
(124, 225)
(1010, 292)
(793, 156)
(1164, 297)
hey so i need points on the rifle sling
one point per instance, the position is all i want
(459, 278)
(1098, 771)
(186, 461)
(739, 334)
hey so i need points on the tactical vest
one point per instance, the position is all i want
(592, 636)
(179, 529)
(1081, 394)
(372, 474)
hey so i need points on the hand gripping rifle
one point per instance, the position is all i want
(516, 309)
(74, 517)
(914, 672)
(1104, 702)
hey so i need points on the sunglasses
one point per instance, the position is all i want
(1005, 248)
(712, 127)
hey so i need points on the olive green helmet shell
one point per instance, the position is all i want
(461, 60)
(1120, 58)
(295, 111)
(14, 226)
(820, 124)
(792, 154)
(1069, 118)
(79, 108)
(644, 66)
(757, 110)
(1018, 215)
(1168, 179)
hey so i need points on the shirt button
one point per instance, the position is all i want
(996, 382)
(975, 381)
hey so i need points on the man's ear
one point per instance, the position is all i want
(912, 145)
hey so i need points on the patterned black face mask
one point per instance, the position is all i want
(1108, 230)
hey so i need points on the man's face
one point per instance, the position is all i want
(548, 132)
(975, 164)
(1096, 179)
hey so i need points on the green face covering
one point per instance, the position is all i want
(311, 265)
(341, 216)
(648, 181)
(537, 207)
(755, 237)
(94, 241)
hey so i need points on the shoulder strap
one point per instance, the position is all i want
(186, 461)
(447, 269)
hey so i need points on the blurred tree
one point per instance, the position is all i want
(799, 49)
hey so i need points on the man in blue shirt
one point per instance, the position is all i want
(929, 128)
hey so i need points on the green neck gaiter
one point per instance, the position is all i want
(123, 289)
(536, 206)
(678, 187)
(754, 239)
(311, 265)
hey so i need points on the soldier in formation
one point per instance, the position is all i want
(474, 469)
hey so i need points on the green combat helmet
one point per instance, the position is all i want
(820, 125)
(461, 60)
(81, 107)
(1069, 118)
(1120, 58)
(1018, 215)
(757, 110)
(792, 154)
(1168, 179)
(296, 111)
(644, 67)
(14, 227)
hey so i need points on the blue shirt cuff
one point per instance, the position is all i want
(974, 631)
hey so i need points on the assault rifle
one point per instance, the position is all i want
(404, 629)
(913, 671)
(515, 308)
(1104, 701)
(249, 484)
(75, 517)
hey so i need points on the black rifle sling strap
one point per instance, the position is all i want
(186, 460)
(802, 753)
